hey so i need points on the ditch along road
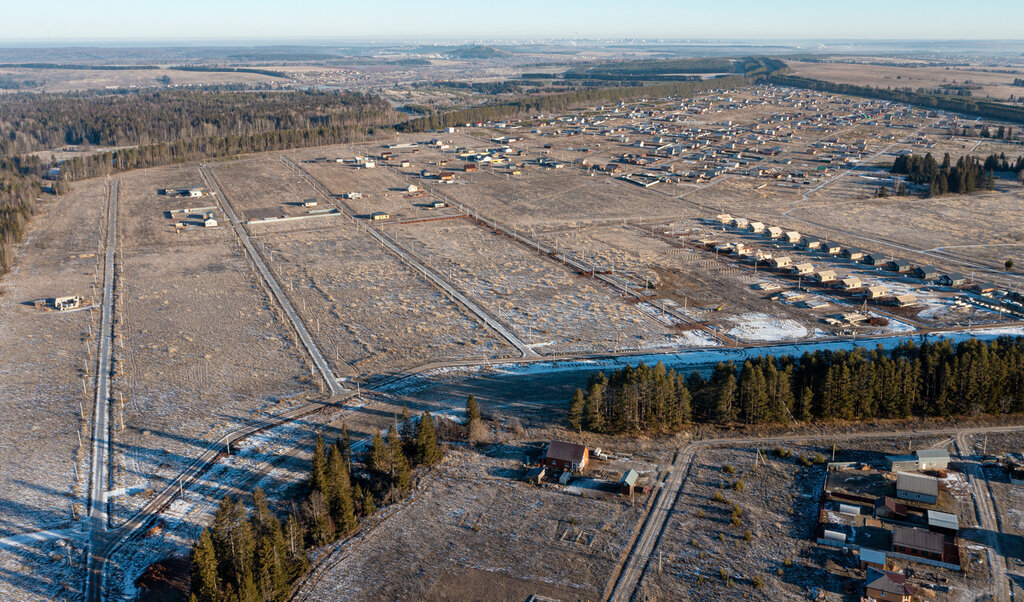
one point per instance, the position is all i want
(98, 474)
(625, 584)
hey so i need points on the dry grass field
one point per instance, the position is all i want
(371, 313)
(996, 85)
(44, 357)
(199, 345)
(546, 304)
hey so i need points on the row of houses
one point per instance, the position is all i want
(812, 243)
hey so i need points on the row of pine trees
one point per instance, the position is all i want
(931, 379)
(248, 556)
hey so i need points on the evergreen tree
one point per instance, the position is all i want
(204, 580)
(345, 445)
(368, 506)
(576, 410)
(407, 428)
(593, 408)
(339, 494)
(472, 410)
(318, 471)
(427, 450)
(379, 456)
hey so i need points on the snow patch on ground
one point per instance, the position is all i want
(762, 327)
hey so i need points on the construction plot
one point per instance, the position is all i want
(467, 534)
(199, 349)
(371, 313)
(546, 304)
(47, 365)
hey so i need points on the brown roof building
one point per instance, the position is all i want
(918, 542)
(566, 456)
(888, 585)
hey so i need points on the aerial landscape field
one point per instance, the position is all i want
(369, 313)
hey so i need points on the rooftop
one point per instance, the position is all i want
(565, 451)
(917, 483)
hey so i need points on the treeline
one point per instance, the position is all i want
(168, 127)
(9, 82)
(967, 176)
(166, 153)
(78, 67)
(657, 67)
(505, 87)
(201, 68)
(932, 379)
(959, 104)
(1018, 82)
(32, 122)
(20, 184)
(557, 102)
(249, 557)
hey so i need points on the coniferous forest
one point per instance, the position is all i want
(250, 556)
(933, 379)
(967, 176)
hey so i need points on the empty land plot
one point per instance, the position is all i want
(469, 534)
(975, 228)
(199, 349)
(705, 554)
(45, 359)
(370, 312)
(543, 302)
(567, 195)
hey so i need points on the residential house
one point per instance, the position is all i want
(925, 272)
(874, 259)
(824, 276)
(810, 242)
(888, 586)
(850, 283)
(898, 265)
(875, 292)
(802, 269)
(566, 456)
(853, 253)
(953, 279)
(832, 248)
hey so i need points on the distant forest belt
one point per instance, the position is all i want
(199, 68)
(957, 104)
(557, 102)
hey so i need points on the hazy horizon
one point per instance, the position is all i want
(317, 21)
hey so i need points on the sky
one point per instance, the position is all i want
(326, 21)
